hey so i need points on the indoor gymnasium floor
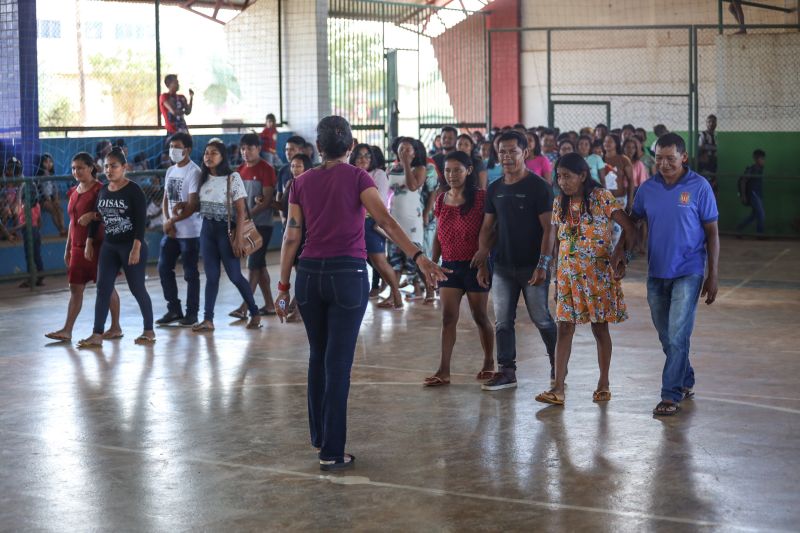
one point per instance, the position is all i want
(209, 432)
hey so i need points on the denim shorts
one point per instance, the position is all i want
(375, 243)
(463, 277)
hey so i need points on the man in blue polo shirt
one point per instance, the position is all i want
(681, 213)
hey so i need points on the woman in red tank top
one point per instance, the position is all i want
(81, 210)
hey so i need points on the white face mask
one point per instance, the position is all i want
(176, 155)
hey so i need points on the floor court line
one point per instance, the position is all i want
(754, 273)
(340, 480)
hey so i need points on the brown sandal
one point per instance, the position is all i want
(601, 396)
(58, 337)
(254, 323)
(144, 340)
(87, 343)
(435, 381)
(550, 397)
(203, 326)
(484, 375)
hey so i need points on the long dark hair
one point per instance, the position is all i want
(368, 148)
(87, 160)
(470, 140)
(380, 159)
(576, 164)
(223, 169)
(40, 164)
(536, 149)
(470, 184)
(420, 158)
(636, 143)
(617, 143)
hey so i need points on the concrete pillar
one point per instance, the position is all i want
(305, 37)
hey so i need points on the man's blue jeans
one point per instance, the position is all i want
(332, 295)
(507, 283)
(757, 214)
(673, 303)
(189, 252)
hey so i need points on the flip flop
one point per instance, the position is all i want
(388, 303)
(254, 325)
(202, 327)
(601, 396)
(144, 340)
(56, 337)
(238, 314)
(688, 393)
(666, 409)
(85, 343)
(435, 381)
(113, 336)
(266, 312)
(484, 375)
(550, 397)
(338, 465)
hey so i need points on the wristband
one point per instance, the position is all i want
(284, 287)
(416, 255)
(544, 262)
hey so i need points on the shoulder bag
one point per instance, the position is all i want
(251, 238)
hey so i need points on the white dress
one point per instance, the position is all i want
(406, 205)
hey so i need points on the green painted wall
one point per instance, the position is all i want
(781, 179)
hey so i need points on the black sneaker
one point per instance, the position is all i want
(188, 320)
(505, 379)
(169, 318)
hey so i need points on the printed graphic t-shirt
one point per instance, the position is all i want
(179, 183)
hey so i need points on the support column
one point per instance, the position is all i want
(307, 97)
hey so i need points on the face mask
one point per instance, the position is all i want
(176, 155)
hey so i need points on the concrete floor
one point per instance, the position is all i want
(208, 432)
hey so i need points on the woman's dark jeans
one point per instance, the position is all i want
(332, 295)
(215, 246)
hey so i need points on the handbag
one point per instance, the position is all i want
(251, 238)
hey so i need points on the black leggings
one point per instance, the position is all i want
(114, 257)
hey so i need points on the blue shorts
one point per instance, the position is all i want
(376, 244)
(463, 277)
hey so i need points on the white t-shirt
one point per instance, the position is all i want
(406, 205)
(179, 183)
(213, 197)
(382, 183)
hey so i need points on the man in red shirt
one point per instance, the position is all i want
(269, 140)
(174, 106)
(259, 182)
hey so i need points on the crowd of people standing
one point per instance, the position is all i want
(443, 224)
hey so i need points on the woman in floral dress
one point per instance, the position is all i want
(588, 285)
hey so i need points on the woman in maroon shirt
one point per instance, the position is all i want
(459, 211)
(82, 200)
(332, 291)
